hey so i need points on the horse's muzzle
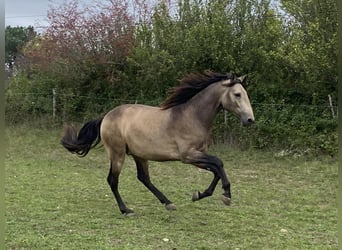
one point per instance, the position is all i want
(248, 121)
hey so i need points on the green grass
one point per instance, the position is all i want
(55, 200)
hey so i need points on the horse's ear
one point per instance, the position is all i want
(227, 82)
(243, 79)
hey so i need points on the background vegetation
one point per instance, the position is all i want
(97, 57)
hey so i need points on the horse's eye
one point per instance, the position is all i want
(238, 95)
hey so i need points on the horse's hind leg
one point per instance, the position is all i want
(144, 177)
(113, 181)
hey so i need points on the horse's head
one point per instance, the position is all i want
(235, 99)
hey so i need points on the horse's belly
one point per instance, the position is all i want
(153, 148)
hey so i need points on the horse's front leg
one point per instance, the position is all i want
(215, 165)
(208, 192)
(144, 177)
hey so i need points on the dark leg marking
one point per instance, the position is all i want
(215, 165)
(208, 192)
(113, 181)
(144, 177)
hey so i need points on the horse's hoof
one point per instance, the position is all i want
(129, 214)
(195, 196)
(170, 206)
(226, 200)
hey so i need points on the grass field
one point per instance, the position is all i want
(55, 200)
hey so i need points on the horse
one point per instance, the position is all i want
(177, 130)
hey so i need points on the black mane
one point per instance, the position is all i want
(192, 84)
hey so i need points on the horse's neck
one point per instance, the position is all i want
(205, 105)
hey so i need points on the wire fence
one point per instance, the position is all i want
(277, 125)
(51, 102)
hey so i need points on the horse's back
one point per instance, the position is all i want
(123, 117)
(129, 113)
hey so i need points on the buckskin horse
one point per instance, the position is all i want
(178, 130)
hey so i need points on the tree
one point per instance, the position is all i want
(310, 49)
(83, 50)
(232, 36)
(15, 39)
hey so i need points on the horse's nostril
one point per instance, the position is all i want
(247, 122)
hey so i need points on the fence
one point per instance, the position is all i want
(293, 127)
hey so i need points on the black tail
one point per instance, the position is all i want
(87, 138)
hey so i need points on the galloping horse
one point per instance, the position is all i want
(178, 130)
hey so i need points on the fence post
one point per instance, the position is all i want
(225, 132)
(331, 106)
(53, 104)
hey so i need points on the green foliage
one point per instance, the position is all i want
(289, 54)
(144, 81)
(310, 50)
(26, 98)
(16, 38)
(298, 130)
